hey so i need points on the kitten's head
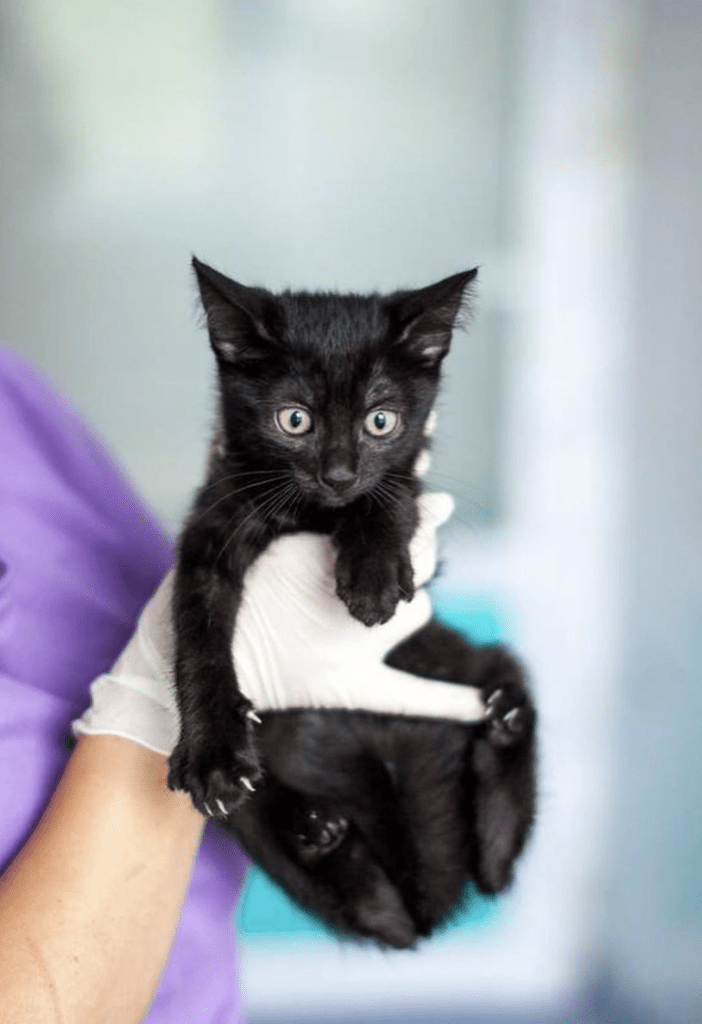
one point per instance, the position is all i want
(334, 388)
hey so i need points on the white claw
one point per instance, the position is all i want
(251, 714)
(208, 811)
(222, 808)
(247, 782)
(511, 715)
(493, 697)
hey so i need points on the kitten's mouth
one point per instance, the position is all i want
(328, 497)
(332, 500)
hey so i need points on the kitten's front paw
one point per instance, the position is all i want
(371, 586)
(509, 711)
(219, 770)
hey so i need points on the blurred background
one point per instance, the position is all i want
(372, 144)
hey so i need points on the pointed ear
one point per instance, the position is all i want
(422, 321)
(240, 320)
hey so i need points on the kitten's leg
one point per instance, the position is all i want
(501, 770)
(437, 652)
(503, 761)
(347, 887)
(215, 759)
(373, 568)
(504, 804)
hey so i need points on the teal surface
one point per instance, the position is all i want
(480, 619)
(266, 913)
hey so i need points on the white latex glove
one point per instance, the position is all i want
(295, 646)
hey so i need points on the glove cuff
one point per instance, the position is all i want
(119, 710)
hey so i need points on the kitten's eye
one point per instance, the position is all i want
(381, 422)
(294, 420)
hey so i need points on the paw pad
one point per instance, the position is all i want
(507, 713)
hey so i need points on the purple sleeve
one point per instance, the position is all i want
(79, 557)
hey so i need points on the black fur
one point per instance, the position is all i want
(376, 823)
(373, 821)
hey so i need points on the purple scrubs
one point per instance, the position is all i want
(79, 557)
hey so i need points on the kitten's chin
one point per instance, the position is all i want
(334, 500)
(327, 497)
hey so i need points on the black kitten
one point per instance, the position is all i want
(324, 401)
(376, 823)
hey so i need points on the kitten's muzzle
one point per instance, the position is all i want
(339, 478)
(337, 483)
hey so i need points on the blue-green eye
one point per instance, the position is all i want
(294, 420)
(381, 422)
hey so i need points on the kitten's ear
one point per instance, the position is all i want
(422, 321)
(240, 320)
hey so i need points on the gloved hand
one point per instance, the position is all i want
(295, 645)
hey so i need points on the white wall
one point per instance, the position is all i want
(317, 145)
(659, 934)
(371, 144)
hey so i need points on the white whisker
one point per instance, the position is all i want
(267, 507)
(231, 494)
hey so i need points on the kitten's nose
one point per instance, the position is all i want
(339, 478)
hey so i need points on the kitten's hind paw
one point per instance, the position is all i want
(317, 835)
(509, 712)
(219, 772)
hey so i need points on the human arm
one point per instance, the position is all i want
(97, 890)
(83, 555)
(90, 905)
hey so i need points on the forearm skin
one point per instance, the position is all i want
(90, 906)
